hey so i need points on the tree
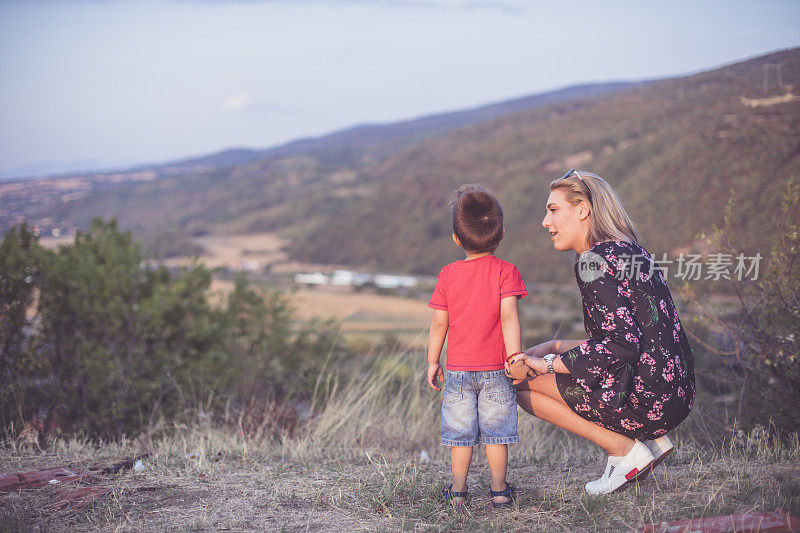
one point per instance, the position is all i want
(20, 266)
(95, 340)
(267, 356)
(121, 338)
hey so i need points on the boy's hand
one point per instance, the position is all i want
(435, 371)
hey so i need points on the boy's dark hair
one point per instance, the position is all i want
(477, 218)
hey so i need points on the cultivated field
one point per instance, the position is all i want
(263, 249)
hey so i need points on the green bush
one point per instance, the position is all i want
(111, 343)
(261, 344)
(765, 328)
(20, 266)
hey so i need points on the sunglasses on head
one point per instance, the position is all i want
(575, 172)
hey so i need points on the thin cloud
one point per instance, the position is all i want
(238, 102)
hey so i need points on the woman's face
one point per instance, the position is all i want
(568, 224)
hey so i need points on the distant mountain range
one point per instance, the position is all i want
(375, 140)
(375, 196)
(371, 138)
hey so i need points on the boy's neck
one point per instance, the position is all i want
(477, 255)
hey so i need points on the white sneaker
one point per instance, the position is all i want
(610, 464)
(637, 459)
(660, 448)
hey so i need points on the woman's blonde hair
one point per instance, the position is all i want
(607, 218)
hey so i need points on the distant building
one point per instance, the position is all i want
(350, 278)
(388, 281)
(317, 278)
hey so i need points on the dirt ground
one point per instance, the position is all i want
(378, 493)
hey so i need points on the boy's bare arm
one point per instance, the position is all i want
(509, 321)
(436, 338)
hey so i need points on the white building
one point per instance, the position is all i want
(388, 281)
(317, 278)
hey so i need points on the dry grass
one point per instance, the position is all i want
(356, 466)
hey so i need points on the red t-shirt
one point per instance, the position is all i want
(470, 291)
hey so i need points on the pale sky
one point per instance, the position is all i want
(104, 83)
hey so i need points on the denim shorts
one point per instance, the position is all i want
(478, 406)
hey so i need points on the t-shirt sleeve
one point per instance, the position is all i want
(438, 299)
(511, 283)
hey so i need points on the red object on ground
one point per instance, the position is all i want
(778, 521)
(37, 478)
(81, 498)
(70, 499)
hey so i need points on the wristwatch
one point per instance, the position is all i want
(549, 360)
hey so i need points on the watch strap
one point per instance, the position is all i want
(549, 360)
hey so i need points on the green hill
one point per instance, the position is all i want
(376, 196)
(675, 151)
(288, 187)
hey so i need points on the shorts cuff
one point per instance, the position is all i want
(500, 440)
(461, 443)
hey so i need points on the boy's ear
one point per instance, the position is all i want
(504, 233)
(455, 240)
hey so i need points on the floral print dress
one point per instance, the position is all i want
(635, 374)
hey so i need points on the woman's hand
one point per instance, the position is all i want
(536, 364)
(540, 350)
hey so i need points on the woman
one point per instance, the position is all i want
(632, 381)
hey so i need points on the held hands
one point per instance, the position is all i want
(435, 371)
(532, 358)
(536, 365)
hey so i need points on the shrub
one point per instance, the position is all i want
(111, 343)
(765, 327)
(121, 339)
(20, 265)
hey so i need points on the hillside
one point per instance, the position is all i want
(375, 140)
(243, 189)
(376, 195)
(675, 150)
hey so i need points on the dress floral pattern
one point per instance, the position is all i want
(635, 374)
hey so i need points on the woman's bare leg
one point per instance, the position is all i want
(540, 398)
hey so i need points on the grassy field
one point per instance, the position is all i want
(356, 465)
(357, 462)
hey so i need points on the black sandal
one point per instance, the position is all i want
(508, 492)
(448, 494)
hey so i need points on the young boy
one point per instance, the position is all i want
(475, 301)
